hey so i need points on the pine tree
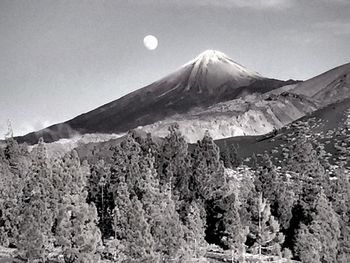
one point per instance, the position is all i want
(309, 180)
(208, 170)
(267, 179)
(32, 242)
(160, 210)
(10, 205)
(149, 146)
(166, 227)
(324, 232)
(131, 228)
(247, 197)
(235, 233)
(229, 156)
(114, 251)
(344, 243)
(308, 171)
(341, 193)
(278, 189)
(17, 157)
(138, 241)
(284, 204)
(77, 232)
(174, 164)
(76, 228)
(340, 198)
(195, 230)
(268, 238)
(99, 194)
(39, 208)
(126, 164)
(131, 176)
(307, 246)
(304, 160)
(149, 187)
(120, 212)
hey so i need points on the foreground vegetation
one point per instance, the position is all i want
(159, 202)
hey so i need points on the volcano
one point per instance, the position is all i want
(210, 78)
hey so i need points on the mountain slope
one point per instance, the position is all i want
(239, 117)
(208, 79)
(328, 128)
(275, 109)
(329, 87)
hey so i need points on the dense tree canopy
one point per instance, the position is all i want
(162, 201)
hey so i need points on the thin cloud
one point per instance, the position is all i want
(338, 28)
(247, 4)
(262, 4)
(344, 2)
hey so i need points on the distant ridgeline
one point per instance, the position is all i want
(156, 201)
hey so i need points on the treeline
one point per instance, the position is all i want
(160, 202)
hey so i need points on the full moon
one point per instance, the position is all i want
(150, 42)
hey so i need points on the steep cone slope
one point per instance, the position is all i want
(329, 87)
(210, 78)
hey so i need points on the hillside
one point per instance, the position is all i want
(329, 87)
(328, 128)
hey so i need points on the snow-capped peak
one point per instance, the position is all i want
(214, 57)
(213, 68)
(208, 56)
(211, 55)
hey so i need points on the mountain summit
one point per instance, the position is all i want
(210, 73)
(212, 69)
(215, 60)
(210, 78)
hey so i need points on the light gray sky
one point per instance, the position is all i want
(60, 58)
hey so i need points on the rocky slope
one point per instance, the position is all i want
(240, 117)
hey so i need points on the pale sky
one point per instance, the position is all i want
(61, 58)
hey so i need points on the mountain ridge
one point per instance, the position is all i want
(328, 87)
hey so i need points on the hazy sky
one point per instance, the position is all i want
(61, 58)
